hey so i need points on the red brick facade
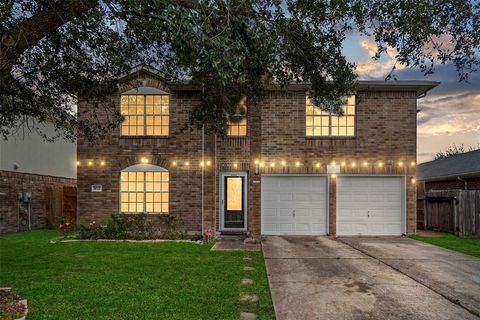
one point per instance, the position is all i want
(12, 183)
(385, 131)
(472, 184)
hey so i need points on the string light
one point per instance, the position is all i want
(102, 163)
(272, 164)
(256, 162)
(317, 165)
(262, 164)
(209, 163)
(400, 164)
(235, 165)
(187, 163)
(334, 175)
(365, 163)
(90, 163)
(412, 163)
(297, 164)
(413, 180)
(201, 164)
(380, 164)
(284, 163)
(174, 163)
(78, 163)
(334, 163)
(344, 163)
(354, 164)
(144, 160)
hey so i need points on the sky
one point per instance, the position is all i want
(449, 114)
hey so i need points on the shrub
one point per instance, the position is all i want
(135, 227)
(92, 231)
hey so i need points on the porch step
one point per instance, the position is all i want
(233, 235)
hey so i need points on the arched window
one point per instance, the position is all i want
(144, 189)
(146, 112)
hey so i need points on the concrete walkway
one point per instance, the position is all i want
(323, 278)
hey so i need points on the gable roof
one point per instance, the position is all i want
(461, 165)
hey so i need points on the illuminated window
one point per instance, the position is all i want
(145, 115)
(144, 191)
(321, 123)
(239, 129)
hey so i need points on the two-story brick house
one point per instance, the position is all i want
(286, 168)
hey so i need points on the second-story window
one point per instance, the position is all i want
(145, 115)
(239, 128)
(321, 123)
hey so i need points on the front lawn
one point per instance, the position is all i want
(117, 280)
(468, 246)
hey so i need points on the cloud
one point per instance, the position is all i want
(377, 68)
(450, 114)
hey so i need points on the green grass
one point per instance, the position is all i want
(116, 280)
(468, 246)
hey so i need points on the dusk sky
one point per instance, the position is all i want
(450, 113)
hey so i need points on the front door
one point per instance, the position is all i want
(233, 203)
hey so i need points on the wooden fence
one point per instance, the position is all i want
(455, 211)
(61, 205)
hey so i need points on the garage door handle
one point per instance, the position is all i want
(368, 214)
(293, 212)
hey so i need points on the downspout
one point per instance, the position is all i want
(464, 181)
(203, 176)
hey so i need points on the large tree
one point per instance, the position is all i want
(54, 51)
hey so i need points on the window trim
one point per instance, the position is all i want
(144, 135)
(143, 168)
(330, 136)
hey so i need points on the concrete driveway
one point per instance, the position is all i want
(370, 278)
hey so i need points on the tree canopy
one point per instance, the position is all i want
(54, 51)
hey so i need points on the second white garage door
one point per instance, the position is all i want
(370, 205)
(294, 205)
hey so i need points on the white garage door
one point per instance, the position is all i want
(294, 205)
(370, 205)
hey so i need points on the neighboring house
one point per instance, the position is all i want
(460, 171)
(30, 165)
(286, 168)
(448, 192)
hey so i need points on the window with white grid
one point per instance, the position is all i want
(319, 123)
(144, 192)
(145, 115)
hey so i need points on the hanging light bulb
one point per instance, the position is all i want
(380, 164)
(187, 163)
(344, 163)
(334, 175)
(262, 164)
(297, 164)
(201, 164)
(209, 163)
(235, 165)
(412, 163)
(174, 163)
(354, 164)
(272, 164)
(78, 163)
(413, 180)
(284, 163)
(102, 163)
(90, 163)
(257, 162)
(334, 163)
(317, 165)
(365, 163)
(400, 164)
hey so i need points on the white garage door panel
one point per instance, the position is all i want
(370, 205)
(284, 195)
